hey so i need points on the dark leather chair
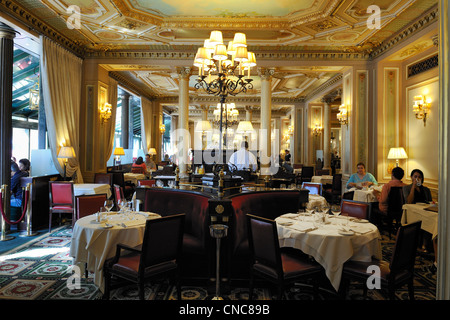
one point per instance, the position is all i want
(61, 198)
(395, 208)
(333, 192)
(307, 174)
(394, 274)
(88, 204)
(356, 209)
(158, 255)
(127, 187)
(270, 263)
(314, 188)
(322, 172)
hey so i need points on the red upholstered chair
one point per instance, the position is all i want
(394, 274)
(150, 183)
(61, 200)
(356, 209)
(118, 195)
(158, 255)
(270, 263)
(314, 188)
(88, 204)
(137, 170)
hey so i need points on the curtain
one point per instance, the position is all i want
(146, 124)
(61, 73)
(111, 124)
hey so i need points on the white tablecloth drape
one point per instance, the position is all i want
(322, 179)
(328, 247)
(416, 212)
(91, 188)
(93, 244)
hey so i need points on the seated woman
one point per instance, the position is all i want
(396, 181)
(361, 179)
(416, 191)
(19, 171)
(140, 164)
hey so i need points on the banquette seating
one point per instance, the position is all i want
(196, 239)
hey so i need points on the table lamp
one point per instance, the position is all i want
(396, 154)
(118, 151)
(203, 126)
(244, 127)
(66, 153)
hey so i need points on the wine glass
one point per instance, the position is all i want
(336, 210)
(122, 204)
(108, 205)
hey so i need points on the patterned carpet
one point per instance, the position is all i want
(40, 270)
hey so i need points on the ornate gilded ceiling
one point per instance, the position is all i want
(144, 42)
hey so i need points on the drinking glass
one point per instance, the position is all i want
(336, 210)
(108, 205)
(122, 204)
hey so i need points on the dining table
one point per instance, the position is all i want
(365, 194)
(134, 177)
(91, 188)
(325, 179)
(315, 200)
(427, 213)
(331, 242)
(93, 242)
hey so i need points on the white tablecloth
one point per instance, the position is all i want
(416, 212)
(93, 244)
(314, 200)
(322, 179)
(328, 247)
(364, 195)
(91, 188)
(134, 177)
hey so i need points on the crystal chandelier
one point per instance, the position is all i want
(229, 115)
(221, 71)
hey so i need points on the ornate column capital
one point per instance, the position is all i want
(6, 32)
(184, 72)
(266, 73)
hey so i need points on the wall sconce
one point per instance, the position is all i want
(34, 97)
(105, 112)
(162, 128)
(342, 116)
(317, 130)
(421, 107)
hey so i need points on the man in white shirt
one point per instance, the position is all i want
(244, 159)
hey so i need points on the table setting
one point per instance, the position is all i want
(95, 237)
(331, 239)
(365, 194)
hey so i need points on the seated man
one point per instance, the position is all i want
(149, 163)
(243, 159)
(396, 181)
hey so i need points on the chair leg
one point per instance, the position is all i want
(141, 289)
(411, 289)
(50, 222)
(177, 279)
(107, 283)
(250, 288)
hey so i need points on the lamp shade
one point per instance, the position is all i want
(244, 126)
(220, 52)
(241, 54)
(152, 151)
(239, 40)
(397, 153)
(203, 126)
(66, 152)
(215, 38)
(119, 151)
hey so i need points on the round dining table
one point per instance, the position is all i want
(94, 242)
(332, 242)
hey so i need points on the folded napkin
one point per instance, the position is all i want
(289, 215)
(302, 227)
(360, 229)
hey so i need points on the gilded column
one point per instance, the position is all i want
(326, 134)
(183, 120)
(266, 114)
